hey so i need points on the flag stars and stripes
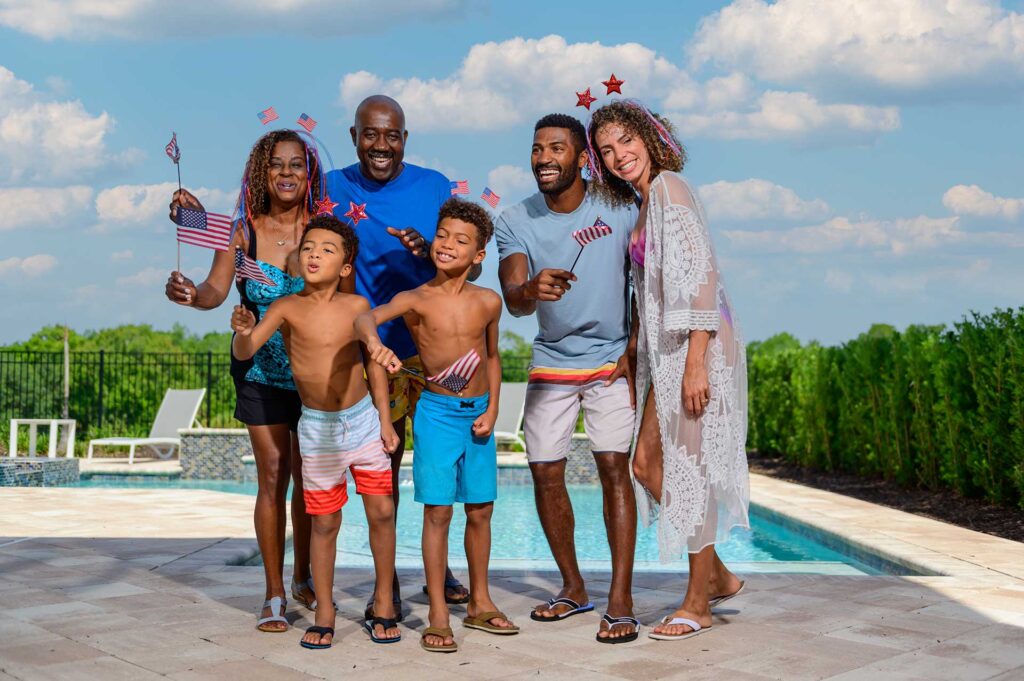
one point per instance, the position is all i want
(306, 122)
(209, 230)
(459, 187)
(247, 268)
(593, 233)
(490, 198)
(460, 373)
(268, 115)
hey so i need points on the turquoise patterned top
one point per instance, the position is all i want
(270, 363)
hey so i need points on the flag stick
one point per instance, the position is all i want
(576, 260)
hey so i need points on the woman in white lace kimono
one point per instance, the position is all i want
(689, 461)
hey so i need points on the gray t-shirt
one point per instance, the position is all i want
(588, 327)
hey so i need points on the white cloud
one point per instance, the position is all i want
(52, 207)
(791, 115)
(32, 266)
(973, 200)
(901, 47)
(503, 84)
(122, 255)
(511, 183)
(133, 19)
(146, 278)
(756, 199)
(889, 283)
(841, 234)
(135, 204)
(45, 139)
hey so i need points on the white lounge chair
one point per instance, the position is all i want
(178, 410)
(511, 407)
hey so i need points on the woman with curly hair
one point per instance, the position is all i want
(281, 177)
(689, 458)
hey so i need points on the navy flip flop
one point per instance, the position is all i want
(552, 602)
(371, 623)
(322, 631)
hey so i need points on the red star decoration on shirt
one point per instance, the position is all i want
(613, 84)
(585, 99)
(356, 213)
(325, 206)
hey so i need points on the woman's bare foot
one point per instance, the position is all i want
(723, 583)
(269, 612)
(702, 618)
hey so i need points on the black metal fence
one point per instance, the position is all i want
(118, 393)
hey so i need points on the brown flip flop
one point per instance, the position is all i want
(483, 623)
(445, 632)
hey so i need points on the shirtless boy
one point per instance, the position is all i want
(341, 427)
(455, 458)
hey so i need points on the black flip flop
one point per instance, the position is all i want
(370, 624)
(397, 602)
(452, 584)
(612, 621)
(577, 609)
(322, 631)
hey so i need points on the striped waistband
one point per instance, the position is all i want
(356, 410)
(572, 377)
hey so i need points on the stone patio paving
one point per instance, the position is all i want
(134, 584)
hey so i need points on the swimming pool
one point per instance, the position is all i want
(518, 541)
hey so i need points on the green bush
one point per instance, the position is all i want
(925, 407)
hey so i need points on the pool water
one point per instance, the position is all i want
(518, 540)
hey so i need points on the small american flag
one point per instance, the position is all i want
(247, 268)
(460, 187)
(268, 115)
(490, 198)
(306, 122)
(593, 233)
(458, 375)
(172, 150)
(209, 230)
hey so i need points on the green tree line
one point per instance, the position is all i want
(926, 407)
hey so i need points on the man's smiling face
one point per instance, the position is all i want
(379, 136)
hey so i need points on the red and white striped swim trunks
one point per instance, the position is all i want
(332, 442)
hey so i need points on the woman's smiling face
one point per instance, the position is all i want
(624, 153)
(287, 173)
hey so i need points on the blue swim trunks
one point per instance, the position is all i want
(449, 463)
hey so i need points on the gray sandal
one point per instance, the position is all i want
(277, 604)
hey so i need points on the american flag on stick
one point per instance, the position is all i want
(589, 234)
(490, 198)
(458, 375)
(460, 187)
(209, 230)
(247, 268)
(306, 122)
(172, 150)
(268, 115)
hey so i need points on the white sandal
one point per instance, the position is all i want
(668, 620)
(277, 604)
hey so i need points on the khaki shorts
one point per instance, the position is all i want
(404, 390)
(553, 401)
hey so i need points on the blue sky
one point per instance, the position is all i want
(860, 163)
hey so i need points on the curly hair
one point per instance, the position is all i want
(255, 199)
(472, 213)
(349, 240)
(634, 118)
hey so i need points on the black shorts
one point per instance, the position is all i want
(257, 404)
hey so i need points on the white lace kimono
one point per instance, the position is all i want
(706, 488)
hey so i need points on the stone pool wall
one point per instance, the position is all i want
(37, 471)
(225, 454)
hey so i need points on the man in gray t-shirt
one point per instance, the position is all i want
(578, 359)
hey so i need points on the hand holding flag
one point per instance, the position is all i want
(589, 234)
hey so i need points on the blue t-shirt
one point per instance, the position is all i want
(589, 326)
(383, 265)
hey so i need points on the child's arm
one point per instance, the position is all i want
(250, 336)
(484, 424)
(378, 381)
(366, 329)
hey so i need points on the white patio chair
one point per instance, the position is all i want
(178, 410)
(511, 405)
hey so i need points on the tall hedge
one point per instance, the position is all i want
(929, 407)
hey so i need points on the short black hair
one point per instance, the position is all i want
(570, 123)
(349, 240)
(472, 213)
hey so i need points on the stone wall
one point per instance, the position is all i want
(37, 471)
(214, 453)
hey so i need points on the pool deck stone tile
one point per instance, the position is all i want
(145, 584)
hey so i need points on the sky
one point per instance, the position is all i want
(860, 162)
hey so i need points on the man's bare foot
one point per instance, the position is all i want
(622, 628)
(544, 611)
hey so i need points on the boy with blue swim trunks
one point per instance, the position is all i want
(455, 458)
